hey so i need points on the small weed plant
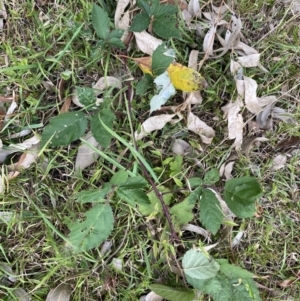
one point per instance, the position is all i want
(212, 276)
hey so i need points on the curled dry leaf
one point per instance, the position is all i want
(197, 229)
(279, 162)
(209, 38)
(61, 293)
(120, 13)
(200, 128)
(181, 147)
(250, 60)
(154, 123)
(146, 42)
(86, 155)
(194, 8)
(226, 169)
(249, 144)
(235, 122)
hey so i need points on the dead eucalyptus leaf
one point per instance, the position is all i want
(249, 143)
(197, 229)
(106, 82)
(251, 101)
(250, 60)
(154, 123)
(235, 122)
(86, 155)
(283, 115)
(228, 169)
(200, 128)
(279, 162)
(120, 13)
(61, 293)
(151, 297)
(194, 8)
(221, 10)
(208, 42)
(262, 118)
(146, 42)
(181, 147)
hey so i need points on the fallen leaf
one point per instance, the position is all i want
(146, 42)
(250, 60)
(117, 263)
(235, 122)
(151, 297)
(152, 124)
(200, 128)
(106, 247)
(194, 8)
(251, 101)
(120, 12)
(86, 155)
(181, 147)
(209, 38)
(66, 106)
(283, 115)
(279, 162)
(61, 293)
(197, 229)
(249, 144)
(166, 90)
(226, 170)
(288, 144)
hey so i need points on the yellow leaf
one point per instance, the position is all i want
(186, 79)
(182, 77)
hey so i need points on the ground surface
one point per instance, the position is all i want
(39, 42)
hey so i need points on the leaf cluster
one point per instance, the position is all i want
(161, 17)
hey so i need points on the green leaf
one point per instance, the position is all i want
(182, 213)
(144, 6)
(172, 293)
(93, 195)
(100, 21)
(116, 33)
(155, 206)
(197, 265)
(64, 129)
(101, 135)
(119, 177)
(195, 182)
(164, 10)
(137, 182)
(160, 61)
(140, 22)
(165, 26)
(116, 42)
(86, 96)
(233, 271)
(176, 166)
(241, 194)
(133, 196)
(207, 286)
(144, 84)
(245, 290)
(211, 177)
(94, 230)
(211, 215)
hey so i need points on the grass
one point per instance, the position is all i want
(39, 42)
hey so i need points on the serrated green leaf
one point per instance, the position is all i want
(116, 42)
(144, 6)
(86, 96)
(64, 129)
(166, 9)
(116, 33)
(119, 177)
(165, 26)
(207, 286)
(137, 182)
(155, 206)
(140, 22)
(211, 177)
(172, 293)
(176, 166)
(195, 182)
(211, 215)
(93, 195)
(233, 271)
(160, 61)
(100, 21)
(93, 230)
(133, 196)
(241, 194)
(197, 265)
(246, 290)
(144, 84)
(182, 213)
(101, 135)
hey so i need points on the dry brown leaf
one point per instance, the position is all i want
(200, 128)
(154, 123)
(61, 293)
(250, 60)
(251, 101)
(120, 13)
(226, 170)
(279, 162)
(235, 122)
(66, 106)
(209, 38)
(181, 147)
(194, 8)
(197, 229)
(151, 297)
(221, 10)
(146, 42)
(249, 144)
(86, 155)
